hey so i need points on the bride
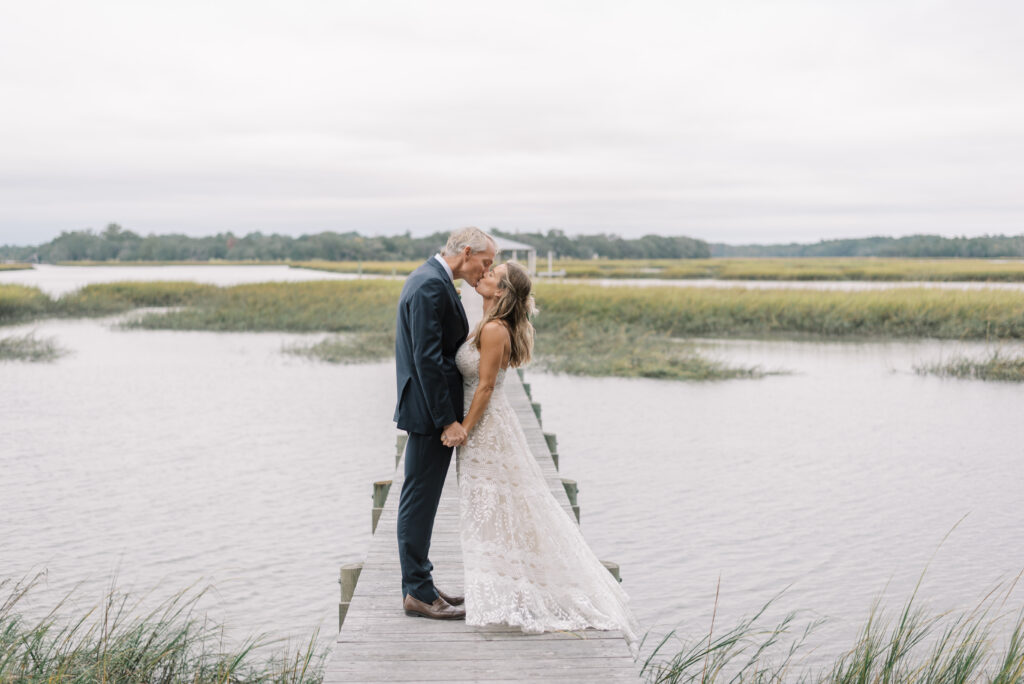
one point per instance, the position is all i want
(526, 562)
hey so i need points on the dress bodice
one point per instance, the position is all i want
(467, 359)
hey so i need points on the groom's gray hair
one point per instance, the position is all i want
(474, 238)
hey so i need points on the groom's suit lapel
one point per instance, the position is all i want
(453, 294)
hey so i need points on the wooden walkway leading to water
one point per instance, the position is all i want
(379, 643)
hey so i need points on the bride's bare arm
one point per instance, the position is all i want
(494, 341)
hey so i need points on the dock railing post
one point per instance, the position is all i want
(612, 568)
(400, 441)
(380, 495)
(572, 491)
(347, 580)
(552, 441)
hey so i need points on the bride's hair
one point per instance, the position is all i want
(514, 307)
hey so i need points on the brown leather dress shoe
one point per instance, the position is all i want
(438, 610)
(452, 600)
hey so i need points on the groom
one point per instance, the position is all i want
(430, 328)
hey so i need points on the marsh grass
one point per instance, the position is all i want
(865, 268)
(745, 652)
(327, 305)
(21, 303)
(998, 366)
(350, 348)
(582, 328)
(616, 351)
(16, 267)
(708, 312)
(101, 299)
(28, 347)
(120, 641)
(912, 646)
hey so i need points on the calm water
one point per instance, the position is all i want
(57, 280)
(176, 457)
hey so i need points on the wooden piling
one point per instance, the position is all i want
(552, 441)
(612, 568)
(572, 491)
(400, 441)
(380, 496)
(348, 579)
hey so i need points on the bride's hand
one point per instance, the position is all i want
(454, 435)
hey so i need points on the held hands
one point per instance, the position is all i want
(454, 435)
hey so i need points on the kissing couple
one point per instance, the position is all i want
(526, 562)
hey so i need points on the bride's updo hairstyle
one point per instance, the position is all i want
(514, 306)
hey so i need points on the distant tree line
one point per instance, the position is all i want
(116, 243)
(933, 246)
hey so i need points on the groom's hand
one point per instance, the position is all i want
(454, 435)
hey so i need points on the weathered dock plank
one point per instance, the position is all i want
(379, 643)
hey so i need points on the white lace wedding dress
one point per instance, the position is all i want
(526, 562)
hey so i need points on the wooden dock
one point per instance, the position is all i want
(379, 643)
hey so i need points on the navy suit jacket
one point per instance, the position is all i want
(430, 328)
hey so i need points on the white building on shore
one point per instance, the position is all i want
(516, 251)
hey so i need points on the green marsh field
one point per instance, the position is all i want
(951, 270)
(777, 269)
(582, 329)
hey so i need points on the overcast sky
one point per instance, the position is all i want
(760, 121)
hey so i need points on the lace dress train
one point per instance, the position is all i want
(527, 564)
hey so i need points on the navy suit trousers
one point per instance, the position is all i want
(426, 465)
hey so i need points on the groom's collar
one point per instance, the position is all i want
(447, 268)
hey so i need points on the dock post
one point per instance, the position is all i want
(572, 490)
(347, 580)
(526, 386)
(612, 568)
(400, 441)
(380, 495)
(552, 441)
(536, 411)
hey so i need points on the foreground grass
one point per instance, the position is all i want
(29, 348)
(911, 646)
(118, 641)
(998, 366)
